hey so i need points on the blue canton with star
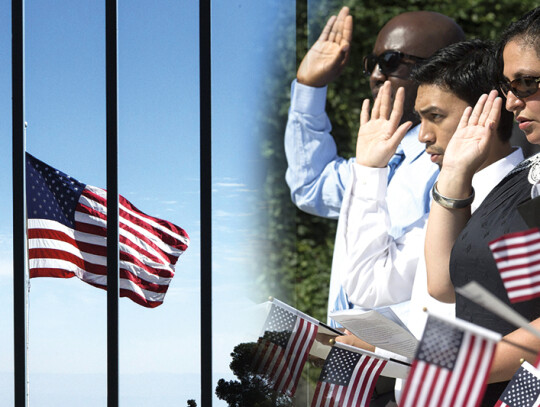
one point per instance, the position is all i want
(440, 344)
(51, 194)
(339, 366)
(523, 390)
(279, 326)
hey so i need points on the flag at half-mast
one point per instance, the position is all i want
(518, 259)
(67, 236)
(451, 365)
(284, 346)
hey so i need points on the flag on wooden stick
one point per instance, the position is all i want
(451, 365)
(283, 348)
(67, 236)
(348, 377)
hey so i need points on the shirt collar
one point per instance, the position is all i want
(486, 179)
(411, 146)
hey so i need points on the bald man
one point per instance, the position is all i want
(317, 176)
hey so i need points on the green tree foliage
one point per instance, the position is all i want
(299, 246)
(251, 389)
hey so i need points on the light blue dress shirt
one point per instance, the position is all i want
(317, 176)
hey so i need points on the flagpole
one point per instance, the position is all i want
(205, 200)
(112, 202)
(301, 26)
(27, 280)
(479, 295)
(20, 315)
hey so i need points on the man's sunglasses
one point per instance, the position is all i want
(388, 61)
(521, 87)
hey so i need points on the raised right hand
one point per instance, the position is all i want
(380, 134)
(328, 56)
(469, 146)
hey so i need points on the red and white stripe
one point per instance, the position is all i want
(518, 259)
(357, 392)
(432, 386)
(284, 366)
(149, 248)
(288, 373)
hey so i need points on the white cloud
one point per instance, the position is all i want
(230, 185)
(220, 213)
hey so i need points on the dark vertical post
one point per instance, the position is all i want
(301, 30)
(19, 225)
(112, 202)
(206, 201)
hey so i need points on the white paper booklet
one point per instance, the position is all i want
(380, 327)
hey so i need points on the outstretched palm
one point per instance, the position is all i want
(327, 57)
(380, 135)
(469, 146)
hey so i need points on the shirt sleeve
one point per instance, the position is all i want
(374, 268)
(316, 175)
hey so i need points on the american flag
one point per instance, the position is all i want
(518, 259)
(67, 236)
(523, 390)
(283, 349)
(451, 365)
(347, 378)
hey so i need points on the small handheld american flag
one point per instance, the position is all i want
(523, 390)
(348, 377)
(283, 348)
(451, 365)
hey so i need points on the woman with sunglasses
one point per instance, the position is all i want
(456, 247)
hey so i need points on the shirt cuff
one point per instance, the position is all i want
(307, 99)
(369, 182)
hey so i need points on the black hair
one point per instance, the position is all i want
(468, 69)
(526, 30)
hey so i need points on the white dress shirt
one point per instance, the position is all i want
(317, 176)
(377, 270)
(374, 268)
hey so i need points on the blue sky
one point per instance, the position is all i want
(158, 172)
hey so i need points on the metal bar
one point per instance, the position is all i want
(301, 28)
(112, 201)
(206, 200)
(20, 294)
